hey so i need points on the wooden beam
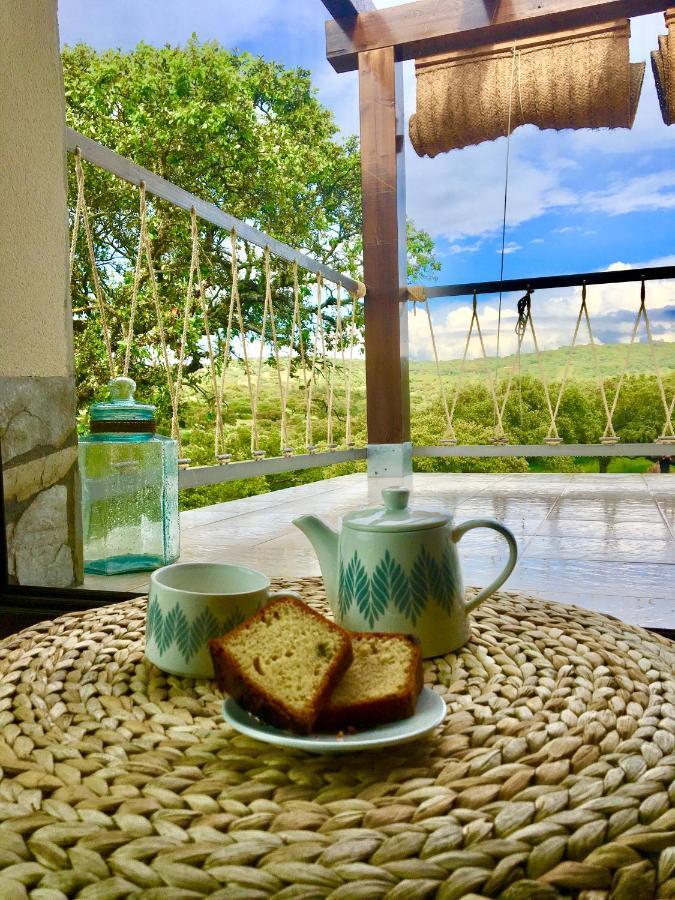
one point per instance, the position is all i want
(548, 282)
(384, 246)
(425, 27)
(345, 9)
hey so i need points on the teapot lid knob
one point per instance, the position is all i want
(395, 498)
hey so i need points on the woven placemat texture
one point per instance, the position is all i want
(552, 776)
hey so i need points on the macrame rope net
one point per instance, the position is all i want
(82, 214)
(667, 436)
(526, 324)
(196, 295)
(317, 364)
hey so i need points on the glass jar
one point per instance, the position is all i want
(129, 487)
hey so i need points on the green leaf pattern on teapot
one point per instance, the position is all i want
(429, 578)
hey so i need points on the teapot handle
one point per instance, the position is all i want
(457, 533)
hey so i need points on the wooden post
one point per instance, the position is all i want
(384, 247)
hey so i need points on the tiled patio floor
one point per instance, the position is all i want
(605, 542)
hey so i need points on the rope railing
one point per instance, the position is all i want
(258, 346)
(553, 445)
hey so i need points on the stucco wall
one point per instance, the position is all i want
(37, 388)
(35, 329)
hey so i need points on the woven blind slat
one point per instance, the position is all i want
(663, 67)
(572, 79)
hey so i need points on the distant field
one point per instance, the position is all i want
(610, 361)
(423, 388)
(427, 418)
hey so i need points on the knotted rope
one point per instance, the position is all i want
(338, 345)
(275, 349)
(667, 435)
(296, 323)
(82, 214)
(360, 291)
(349, 440)
(499, 429)
(268, 311)
(552, 437)
(187, 309)
(319, 340)
(525, 320)
(234, 305)
(199, 292)
(418, 295)
(142, 214)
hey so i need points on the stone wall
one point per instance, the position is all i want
(38, 443)
(41, 481)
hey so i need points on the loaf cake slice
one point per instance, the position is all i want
(381, 685)
(283, 663)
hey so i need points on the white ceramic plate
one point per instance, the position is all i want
(429, 713)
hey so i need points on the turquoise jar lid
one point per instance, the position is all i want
(394, 515)
(121, 413)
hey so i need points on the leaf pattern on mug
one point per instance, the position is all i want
(234, 619)
(154, 616)
(188, 635)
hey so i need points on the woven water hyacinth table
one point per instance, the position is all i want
(552, 776)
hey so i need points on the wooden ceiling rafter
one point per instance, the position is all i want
(426, 27)
(346, 9)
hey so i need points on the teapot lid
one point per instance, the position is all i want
(394, 516)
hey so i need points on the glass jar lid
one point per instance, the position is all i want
(394, 515)
(122, 412)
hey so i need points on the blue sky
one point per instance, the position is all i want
(578, 201)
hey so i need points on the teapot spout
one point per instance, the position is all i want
(325, 543)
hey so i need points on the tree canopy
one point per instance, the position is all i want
(240, 131)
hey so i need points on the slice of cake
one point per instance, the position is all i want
(283, 663)
(381, 685)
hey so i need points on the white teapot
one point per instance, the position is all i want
(396, 569)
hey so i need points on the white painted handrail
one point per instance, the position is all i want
(124, 168)
(203, 475)
(494, 450)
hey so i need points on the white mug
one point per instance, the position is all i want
(190, 603)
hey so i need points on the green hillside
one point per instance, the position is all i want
(638, 416)
(610, 358)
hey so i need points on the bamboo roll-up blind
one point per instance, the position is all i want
(573, 79)
(663, 67)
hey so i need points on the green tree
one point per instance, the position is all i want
(243, 132)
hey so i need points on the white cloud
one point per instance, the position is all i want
(454, 249)
(509, 247)
(461, 194)
(612, 308)
(640, 194)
